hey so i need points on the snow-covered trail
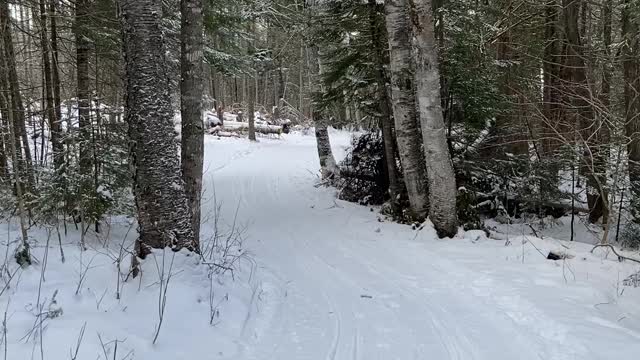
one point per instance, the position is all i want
(337, 284)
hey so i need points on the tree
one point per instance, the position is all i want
(441, 178)
(407, 128)
(631, 75)
(15, 103)
(83, 48)
(581, 102)
(191, 94)
(164, 215)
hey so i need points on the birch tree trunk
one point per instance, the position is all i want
(164, 216)
(408, 136)
(442, 181)
(191, 93)
(328, 166)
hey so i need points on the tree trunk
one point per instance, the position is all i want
(50, 110)
(191, 93)
(407, 128)
(23, 163)
(56, 128)
(579, 96)
(23, 254)
(164, 215)
(251, 115)
(551, 73)
(83, 47)
(384, 100)
(442, 181)
(631, 73)
(328, 166)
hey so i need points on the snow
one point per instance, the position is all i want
(324, 279)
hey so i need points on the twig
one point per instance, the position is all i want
(74, 355)
(615, 252)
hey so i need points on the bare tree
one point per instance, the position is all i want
(23, 162)
(83, 48)
(191, 92)
(631, 73)
(407, 128)
(164, 216)
(442, 181)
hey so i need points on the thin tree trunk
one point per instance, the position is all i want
(20, 137)
(442, 181)
(251, 116)
(56, 128)
(407, 128)
(551, 75)
(23, 255)
(580, 97)
(386, 118)
(48, 86)
(328, 166)
(631, 74)
(83, 47)
(191, 93)
(164, 215)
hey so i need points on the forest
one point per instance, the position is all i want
(319, 179)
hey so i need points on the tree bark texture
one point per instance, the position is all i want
(55, 125)
(442, 181)
(407, 128)
(164, 216)
(191, 93)
(631, 74)
(83, 47)
(23, 162)
(385, 103)
(328, 164)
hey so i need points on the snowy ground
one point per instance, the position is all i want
(327, 280)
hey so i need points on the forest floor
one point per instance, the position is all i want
(322, 280)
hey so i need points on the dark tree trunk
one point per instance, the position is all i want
(580, 99)
(56, 134)
(50, 110)
(191, 93)
(384, 100)
(23, 162)
(164, 215)
(83, 47)
(631, 73)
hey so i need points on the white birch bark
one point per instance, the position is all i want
(442, 182)
(407, 128)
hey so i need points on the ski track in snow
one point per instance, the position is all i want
(332, 288)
